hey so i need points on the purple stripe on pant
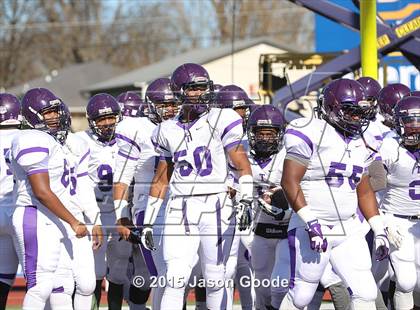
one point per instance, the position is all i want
(184, 217)
(219, 233)
(59, 289)
(30, 241)
(292, 251)
(147, 255)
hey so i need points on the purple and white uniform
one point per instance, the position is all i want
(8, 257)
(137, 159)
(335, 166)
(101, 168)
(197, 207)
(269, 246)
(38, 232)
(401, 207)
(78, 267)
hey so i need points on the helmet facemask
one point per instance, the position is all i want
(105, 125)
(408, 127)
(54, 120)
(202, 97)
(264, 141)
(351, 118)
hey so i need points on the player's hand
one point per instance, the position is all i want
(147, 238)
(395, 236)
(381, 247)
(243, 214)
(318, 242)
(97, 237)
(79, 229)
(123, 228)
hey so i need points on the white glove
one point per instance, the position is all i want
(395, 236)
(147, 238)
(243, 214)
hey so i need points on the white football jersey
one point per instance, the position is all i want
(335, 166)
(32, 152)
(198, 151)
(82, 187)
(267, 174)
(136, 155)
(6, 174)
(402, 195)
(101, 168)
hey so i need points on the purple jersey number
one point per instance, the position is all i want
(8, 171)
(335, 177)
(412, 191)
(202, 162)
(68, 178)
(105, 176)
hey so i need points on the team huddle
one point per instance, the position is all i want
(197, 184)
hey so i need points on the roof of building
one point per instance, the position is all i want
(166, 66)
(68, 82)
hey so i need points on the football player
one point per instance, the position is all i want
(324, 181)
(401, 202)
(10, 122)
(41, 221)
(78, 268)
(103, 114)
(193, 148)
(131, 104)
(138, 160)
(238, 265)
(387, 99)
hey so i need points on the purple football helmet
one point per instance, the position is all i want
(407, 120)
(193, 77)
(232, 96)
(38, 102)
(345, 106)
(99, 107)
(130, 103)
(161, 101)
(388, 98)
(9, 110)
(265, 117)
(372, 89)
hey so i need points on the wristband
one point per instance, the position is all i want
(246, 187)
(377, 224)
(152, 210)
(306, 214)
(121, 209)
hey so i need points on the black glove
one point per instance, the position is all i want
(135, 234)
(147, 237)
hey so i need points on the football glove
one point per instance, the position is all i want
(147, 237)
(381, 247)
(318, 242)
(243, 214)
(276, 213)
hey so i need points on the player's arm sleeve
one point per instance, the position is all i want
(127, 157)
(161, 144)
(85, 190)
(299, 147)
(30, 155)
(231, 129)
(377, 175)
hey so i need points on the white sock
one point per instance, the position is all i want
(403, 301)
(60, 301)
(82, 302)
